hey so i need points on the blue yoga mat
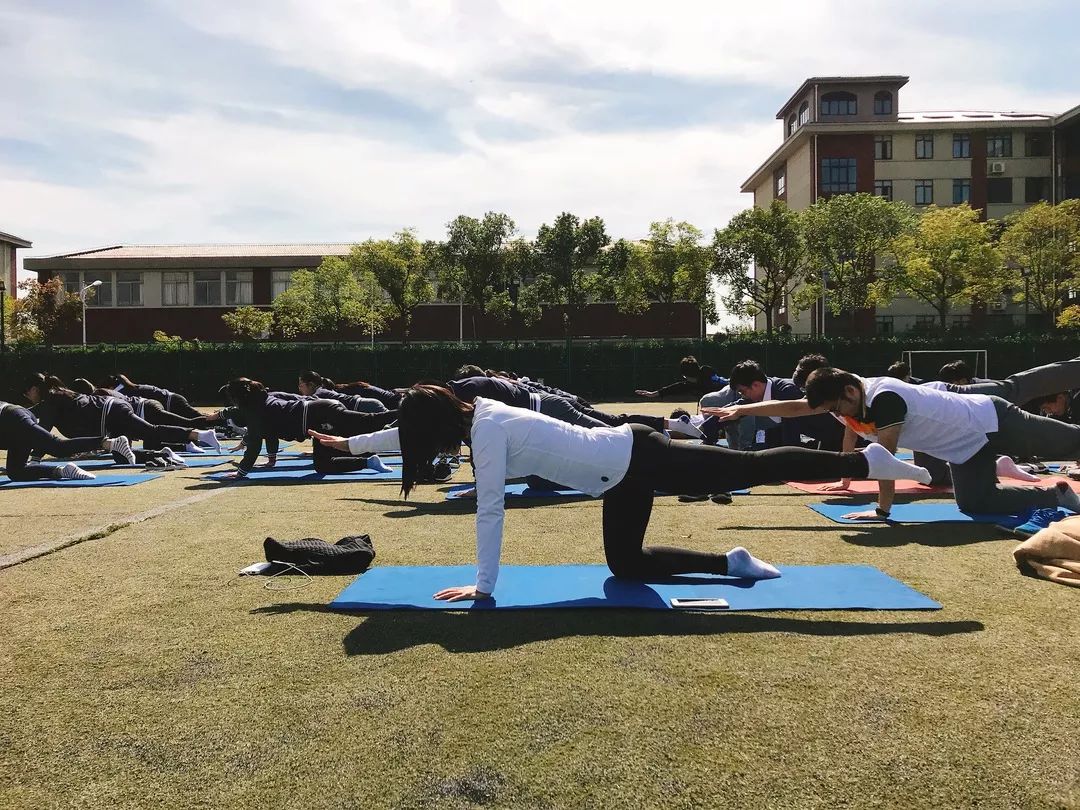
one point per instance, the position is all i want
(465, 492)
(913, 513)
(802, 587)
(307, 475)
(100, 481)
(108, 464)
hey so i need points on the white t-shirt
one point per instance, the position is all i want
(952, 427)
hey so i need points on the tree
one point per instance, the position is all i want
(845, 235)
(1069, 318)
(476, 271)
(328, 299)
(671, 265)
(772, 240)
(43, 310)
(1043, 242)
(404, 267)
(567, 249)
(619, 277)
(249, 323)
(948, 260)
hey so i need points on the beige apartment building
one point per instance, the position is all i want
(844, 134)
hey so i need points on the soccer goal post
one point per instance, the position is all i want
(926, 363)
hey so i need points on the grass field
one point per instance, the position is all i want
(136, 671)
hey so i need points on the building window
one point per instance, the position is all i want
(926, 323)
(837, 175)
(128, 289)
(839, 103)
(1037, 144)
(804, 113)
(883, 188)
(961, 191)
(779, 183)
(174, 290)
(1037, 189)
(924, 192)
(883, 104)
(792, 125)
(280, 281)
(72, 281)
(999, 146)
(924, 147)
(961, 145)
(238, 288)
(207, 288)
(886, 325)
(999, 190)
(883, 147)
(101, 295)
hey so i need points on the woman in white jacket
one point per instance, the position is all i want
(625, 465)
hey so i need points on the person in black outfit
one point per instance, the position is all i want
(23, 437)
(270, 418)
(314, 385)
(170, 400)
(697, 380)
(149, 409)
(75, 414)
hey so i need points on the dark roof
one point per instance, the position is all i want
(897, 81)
(15, 240)
(217, 255)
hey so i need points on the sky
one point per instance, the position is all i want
(179, 121)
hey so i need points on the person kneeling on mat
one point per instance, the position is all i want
(625, 465)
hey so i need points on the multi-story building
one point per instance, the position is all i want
(845, 134)
(8, 264)
(185, 289)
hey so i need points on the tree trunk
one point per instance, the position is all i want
(768, 321)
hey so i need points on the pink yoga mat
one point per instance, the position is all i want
(907, 487)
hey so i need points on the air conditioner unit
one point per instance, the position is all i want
(996, 167)
(997, 306)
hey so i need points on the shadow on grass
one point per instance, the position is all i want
(486, 631)
(458, 506)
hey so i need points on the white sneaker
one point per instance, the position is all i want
(174, 457)
(210, 439)
(121, 446)
(73, 472)
(193, 448)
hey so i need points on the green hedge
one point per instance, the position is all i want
(598, 369)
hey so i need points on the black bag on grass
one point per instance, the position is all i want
(349, 555)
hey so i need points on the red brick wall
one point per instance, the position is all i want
(858, 146)
(433, 322)
(978, 171)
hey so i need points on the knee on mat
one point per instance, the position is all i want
(626, 569)
(975, 502)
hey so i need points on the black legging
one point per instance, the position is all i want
(178, 404)
(23, 436)
(156, 414)
(681, 468)
(331, 416)
(122, 421)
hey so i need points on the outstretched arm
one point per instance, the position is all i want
(772, 407)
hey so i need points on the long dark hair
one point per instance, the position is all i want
(47, 384)
(431, 420)
(246, 393)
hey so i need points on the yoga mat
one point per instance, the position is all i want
(100, 481)
(308, 475)
(802, 587)
(869, 488)
(465, 492)
(911, 513)
(107, 464)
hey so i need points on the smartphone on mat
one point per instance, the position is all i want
(702, 603)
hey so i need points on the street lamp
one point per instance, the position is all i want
(82, 297)
(3, 318)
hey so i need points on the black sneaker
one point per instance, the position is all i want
(720, 498)
(692, 498)
(442, 472)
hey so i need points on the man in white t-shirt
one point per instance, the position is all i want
(968, 431)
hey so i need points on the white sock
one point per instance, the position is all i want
(1007, 468)
(1066, 497)
(175, 457)
(682, 426)
(193, 448)
(376, 463)
(884, 466)
(210, 439)
(121, 446)
(741, 563)
(74, 472)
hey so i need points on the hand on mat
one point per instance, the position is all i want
(460, 594)
(724, 414)
(869, 515)
(649, 394)
(335, 442)
(839, 486)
